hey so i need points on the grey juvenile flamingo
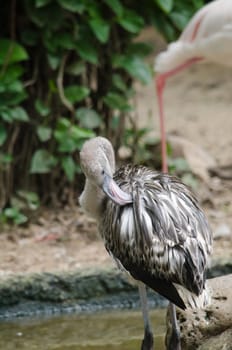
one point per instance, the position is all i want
(206, 38)
(152, 225)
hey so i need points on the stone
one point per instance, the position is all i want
(222, 341)
(198, 159)
(209, 328)
(222, 231)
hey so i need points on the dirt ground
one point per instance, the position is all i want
(198, 107)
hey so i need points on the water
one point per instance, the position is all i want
(111, 330)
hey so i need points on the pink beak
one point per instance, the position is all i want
(114, 192)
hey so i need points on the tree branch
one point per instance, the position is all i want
(60, 86)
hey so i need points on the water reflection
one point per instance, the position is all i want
(100, 331)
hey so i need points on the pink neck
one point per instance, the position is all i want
(181, 67)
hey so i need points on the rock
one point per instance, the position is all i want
(222, 231)
(210, 328)
(220, 267)
(222, 341)
(197, 158)
(124, 153)
(224, 171)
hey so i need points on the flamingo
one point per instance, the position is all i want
(206, 38)
(152, 226)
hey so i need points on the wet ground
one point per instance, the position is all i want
(100, 331)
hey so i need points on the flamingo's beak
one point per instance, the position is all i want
(114, 192)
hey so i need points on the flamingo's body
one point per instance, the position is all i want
(207, 37)
(151, 224)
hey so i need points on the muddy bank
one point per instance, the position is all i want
(80, 291)
(85, 291)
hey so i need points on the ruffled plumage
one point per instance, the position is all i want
(163, 237)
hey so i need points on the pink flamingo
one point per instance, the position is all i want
(207, 37)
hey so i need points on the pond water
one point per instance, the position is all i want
(111, 330)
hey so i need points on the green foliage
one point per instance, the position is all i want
(11, 52)
(138, 141)
(20, 205)
(165, 5)
(42, 162)
(67, 69)
(180, 167)
(12, 214)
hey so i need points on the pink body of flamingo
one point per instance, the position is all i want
(207, 37)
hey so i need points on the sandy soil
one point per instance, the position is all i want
(198, 107)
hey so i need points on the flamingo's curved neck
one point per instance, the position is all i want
(91, 199)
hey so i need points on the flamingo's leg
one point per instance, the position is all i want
(160, 84)
(174, 340)
(148, 341)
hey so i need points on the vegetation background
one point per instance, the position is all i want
(67, 73)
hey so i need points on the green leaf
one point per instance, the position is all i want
(140, 49)
(52, 86)
(66, 144)
(3, 87)
(80, 135)
(15, 97)
(100, 28)
(94, 10)
(115, 6)
(3, 134)
(15, 86)
(11, 52)
(190, 181)
(19, 113)
(12, 73)
(180, 20)
(15, 215)
(179, 164)
(76, 68)
(31, 198)
(135, 66)
(41, 108)
(70, 137)
(75, 93)
(117, 101)
(42, 162)
(119, 83)
(44, 133)
(88, 118)
(87, 51)
(63, 124)
(47, 17)
(5, 158)
(131, 21)
(69, 167)
(65, 41)
(41, 3)
(30, 37)
(53, 61)
(73, 5)
(164, 27)
(5, 114)
(165, 5)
